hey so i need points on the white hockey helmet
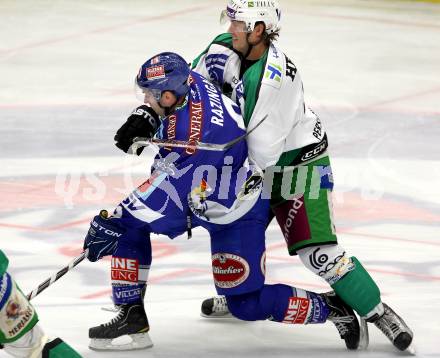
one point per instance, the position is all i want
(251, 12)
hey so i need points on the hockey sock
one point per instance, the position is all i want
(130, 267)
(58, 349)
(345, 275)
(280, 303)
(358, 289)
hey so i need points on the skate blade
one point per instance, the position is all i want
(218, 316)
(138, 341)
(364, 340)
(411, 350)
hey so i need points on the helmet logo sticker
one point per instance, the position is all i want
(155, 72)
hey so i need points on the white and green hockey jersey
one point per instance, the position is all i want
(292, 133)
(3, 263)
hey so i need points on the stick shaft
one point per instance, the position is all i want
(143, 142)
(42, 286)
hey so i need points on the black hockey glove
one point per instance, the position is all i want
(102, 238)
(143, 122)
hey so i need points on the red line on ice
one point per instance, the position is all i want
(103, 29)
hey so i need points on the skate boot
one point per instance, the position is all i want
(131, 321)
(215, 307)
(394, 328)
(344, 319)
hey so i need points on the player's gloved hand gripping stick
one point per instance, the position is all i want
(142, 122)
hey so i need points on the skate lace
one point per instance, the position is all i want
(220, 304)
(115, 319)
(388, 325)
(114, 309)
(341, 323)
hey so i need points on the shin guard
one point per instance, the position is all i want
(358, 289)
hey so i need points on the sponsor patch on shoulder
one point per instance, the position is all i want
(229, 270)
(273, 75)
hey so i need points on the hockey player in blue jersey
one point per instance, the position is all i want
(190, 187)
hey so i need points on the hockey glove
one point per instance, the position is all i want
(143, 122)
(102, 238)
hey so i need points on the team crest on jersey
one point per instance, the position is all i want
(229, 270)
(197, 199)
(201, 190)
(13, 310)
(15, 315)
(156, 72)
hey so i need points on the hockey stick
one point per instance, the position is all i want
(41, 287)
(143, 142)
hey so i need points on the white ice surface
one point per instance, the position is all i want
(371, 69)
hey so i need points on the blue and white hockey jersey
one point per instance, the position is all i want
(208, 186)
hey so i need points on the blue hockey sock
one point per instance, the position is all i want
(127, 294)
(130, 267)
(280, 303)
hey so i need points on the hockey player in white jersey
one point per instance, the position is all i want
(291, 146)
(20, 334)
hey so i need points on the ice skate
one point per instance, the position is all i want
(215, 307)
(344, 319)
(131, 321)
(395, 329)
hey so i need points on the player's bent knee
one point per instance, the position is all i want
(245, 306)
(327, 261)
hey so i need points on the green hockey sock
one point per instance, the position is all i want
(358, 290)
(59, 349)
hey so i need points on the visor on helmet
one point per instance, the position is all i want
(229, 23)
(251, 12)
(146, 95)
